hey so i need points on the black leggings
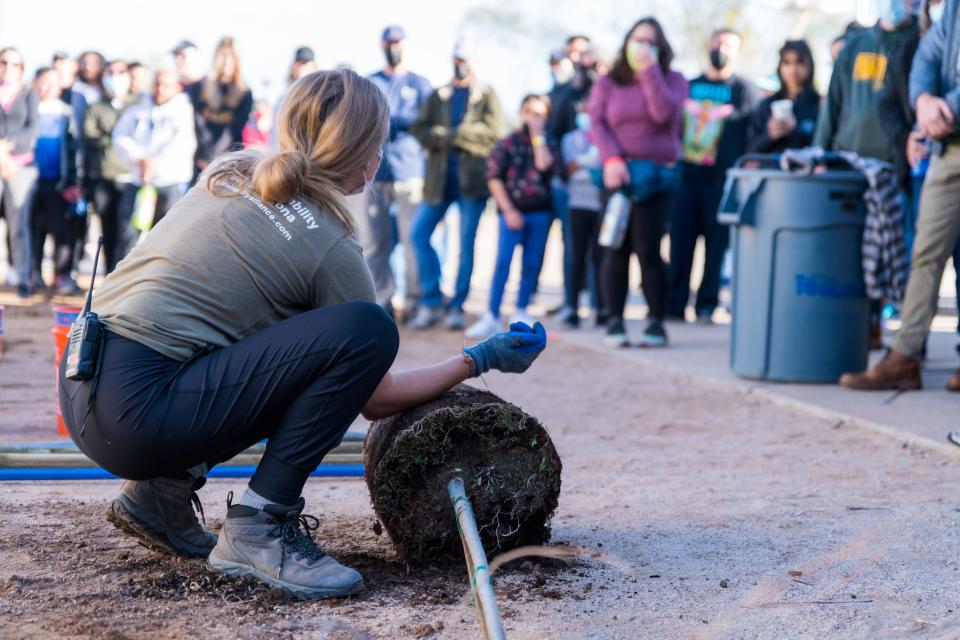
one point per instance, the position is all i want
(644, 233)
(118, 236)
(51, 216)
(299, 383)
(584, 229)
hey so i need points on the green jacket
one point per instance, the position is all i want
(476, 136)
(849, 119)
(101, 159)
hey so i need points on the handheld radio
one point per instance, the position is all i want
(86, 335)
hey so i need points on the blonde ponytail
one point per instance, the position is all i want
(331, 124)
(280, 177)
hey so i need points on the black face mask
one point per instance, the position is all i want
(461, 70)
(584, 76)
(394, 54)
(718, 59)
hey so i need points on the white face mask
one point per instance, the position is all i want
(116, 85)
(368, 181)
(936, 12)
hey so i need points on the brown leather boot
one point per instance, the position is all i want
(953, 384)
(895, 371)
(876, 336)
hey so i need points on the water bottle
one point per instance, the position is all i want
(79, 207)
(613, 228)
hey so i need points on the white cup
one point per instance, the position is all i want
(782, 109)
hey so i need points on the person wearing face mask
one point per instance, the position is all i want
(157, 141)
(564, 98)
(717, 117)
(562, 120)
(791, 123)
(636, 115)
(18, 171)
(561, 69)
(582, 156)
(398, 185)
(457, 127)
(850, 116)
(519, 172)
(250, 314)
(107, 172)
(935, 97)
(56, 188)
(910, 148)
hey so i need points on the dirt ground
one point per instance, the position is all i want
(700, 512)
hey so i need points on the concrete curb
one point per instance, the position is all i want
(908, 439)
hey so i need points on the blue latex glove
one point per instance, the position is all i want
(511, 352)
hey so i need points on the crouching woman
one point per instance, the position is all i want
(249, 313)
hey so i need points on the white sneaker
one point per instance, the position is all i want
(522, 316)
(426, 317)
(484, 327)
(455, 320)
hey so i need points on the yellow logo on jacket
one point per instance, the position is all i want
(870, 67)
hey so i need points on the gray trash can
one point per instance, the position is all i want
(800, 313)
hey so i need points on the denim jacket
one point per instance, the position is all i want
(936, 66)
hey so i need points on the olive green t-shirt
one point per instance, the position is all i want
(218, 269)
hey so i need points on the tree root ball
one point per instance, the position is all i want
(509, 465)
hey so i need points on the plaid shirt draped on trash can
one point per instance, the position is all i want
(885, 260)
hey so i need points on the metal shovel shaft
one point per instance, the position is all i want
(476, 557)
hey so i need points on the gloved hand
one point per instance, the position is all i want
(511, 352)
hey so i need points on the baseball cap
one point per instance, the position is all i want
(463, 50)
(393, 33)
(303, 54)
(183, 44)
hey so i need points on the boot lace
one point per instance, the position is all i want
(296, 530)
(197, 506)
(195, 499)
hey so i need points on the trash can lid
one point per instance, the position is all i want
(844, 175)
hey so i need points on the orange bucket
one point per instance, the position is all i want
(63, 317)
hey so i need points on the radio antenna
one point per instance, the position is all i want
(93, 278)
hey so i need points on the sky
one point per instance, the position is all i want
(512, 37)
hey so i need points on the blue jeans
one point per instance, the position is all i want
(561, 206)
(533, 238)
(426, 219)
(16, 198)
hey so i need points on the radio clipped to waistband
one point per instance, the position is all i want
(86, 335)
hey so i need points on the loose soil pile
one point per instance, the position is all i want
(510, 468)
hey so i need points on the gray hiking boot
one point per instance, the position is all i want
(160, 513)
(270, 545)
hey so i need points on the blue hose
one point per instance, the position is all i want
(95, 473)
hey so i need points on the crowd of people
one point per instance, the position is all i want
(90, 134)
